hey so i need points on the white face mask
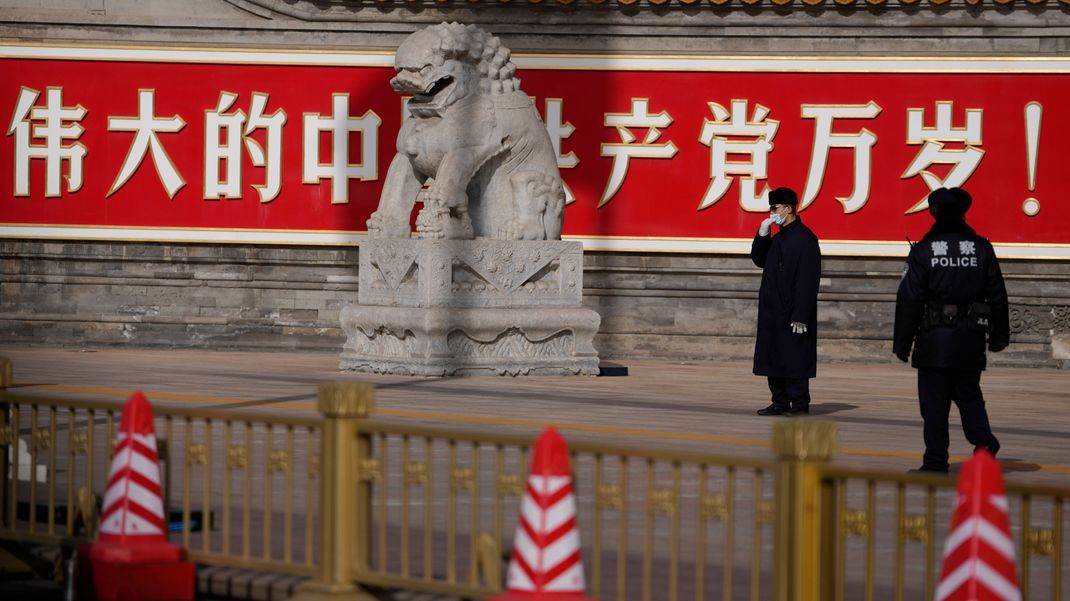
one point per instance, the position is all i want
(777, 218)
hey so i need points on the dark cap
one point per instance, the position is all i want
(948, 202)
(965, 200)
(783, 196)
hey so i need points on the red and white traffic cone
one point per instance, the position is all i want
(546, 562)
(979, 551)
(132, 559)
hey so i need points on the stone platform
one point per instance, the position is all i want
(445, 307)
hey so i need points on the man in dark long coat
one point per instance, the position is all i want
(786, 347)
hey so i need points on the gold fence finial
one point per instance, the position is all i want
(86, 515)
(346, 399)
(805, 440)
(6, 373)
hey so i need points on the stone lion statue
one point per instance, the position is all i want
(474, 138)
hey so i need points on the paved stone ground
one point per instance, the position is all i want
(697, 405)
(701, 406)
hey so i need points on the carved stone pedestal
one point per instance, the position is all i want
(443, 307)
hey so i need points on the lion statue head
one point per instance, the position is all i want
(445, 63)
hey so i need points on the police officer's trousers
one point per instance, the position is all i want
(937, 388)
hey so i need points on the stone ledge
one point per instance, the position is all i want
(133, 279)
(829, 350)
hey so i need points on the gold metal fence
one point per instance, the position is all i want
(240, 488)
(657, 524)
(356, 500)
(435, 510)
(887, 532)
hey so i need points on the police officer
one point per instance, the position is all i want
(785, 350)
(951, 296)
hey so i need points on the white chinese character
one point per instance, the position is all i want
(627, 149)
(758, 136)
(273, 161)
(146, 125)
(339, 170)
(230, 152)
(558, 131)
(963, 160)
(25, 124)
(939, 248)
(967, 247)
(861, 142)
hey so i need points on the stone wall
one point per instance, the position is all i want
(174, 295)
(701, 307)
(652, 305)
(276, 298)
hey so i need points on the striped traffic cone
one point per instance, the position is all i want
(546, 563)
(979, 551)
(132, 559)
(133, 502)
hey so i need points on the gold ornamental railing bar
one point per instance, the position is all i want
(230, 479)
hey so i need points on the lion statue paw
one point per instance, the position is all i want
(516, 229)
(384, 225)
(441, 223)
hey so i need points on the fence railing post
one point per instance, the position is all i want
(802, 546)
(342, 530)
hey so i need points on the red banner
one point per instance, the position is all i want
(672, 154)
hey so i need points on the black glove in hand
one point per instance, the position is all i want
(904, 357)
(996, 347)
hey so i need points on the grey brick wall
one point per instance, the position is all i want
(174, 295)
(277, 298)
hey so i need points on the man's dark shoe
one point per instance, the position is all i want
(993, 449)
(775, 409)
(800, 410)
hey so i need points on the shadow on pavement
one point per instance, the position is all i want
(830, 408)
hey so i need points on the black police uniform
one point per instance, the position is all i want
(952, 294)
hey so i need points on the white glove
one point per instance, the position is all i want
(763, 229)
(798, 327)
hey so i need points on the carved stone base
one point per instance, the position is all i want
(446, 341)
(470, 273)
(443, 307)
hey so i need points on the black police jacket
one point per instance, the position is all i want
(951, 296)
(791, 275)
